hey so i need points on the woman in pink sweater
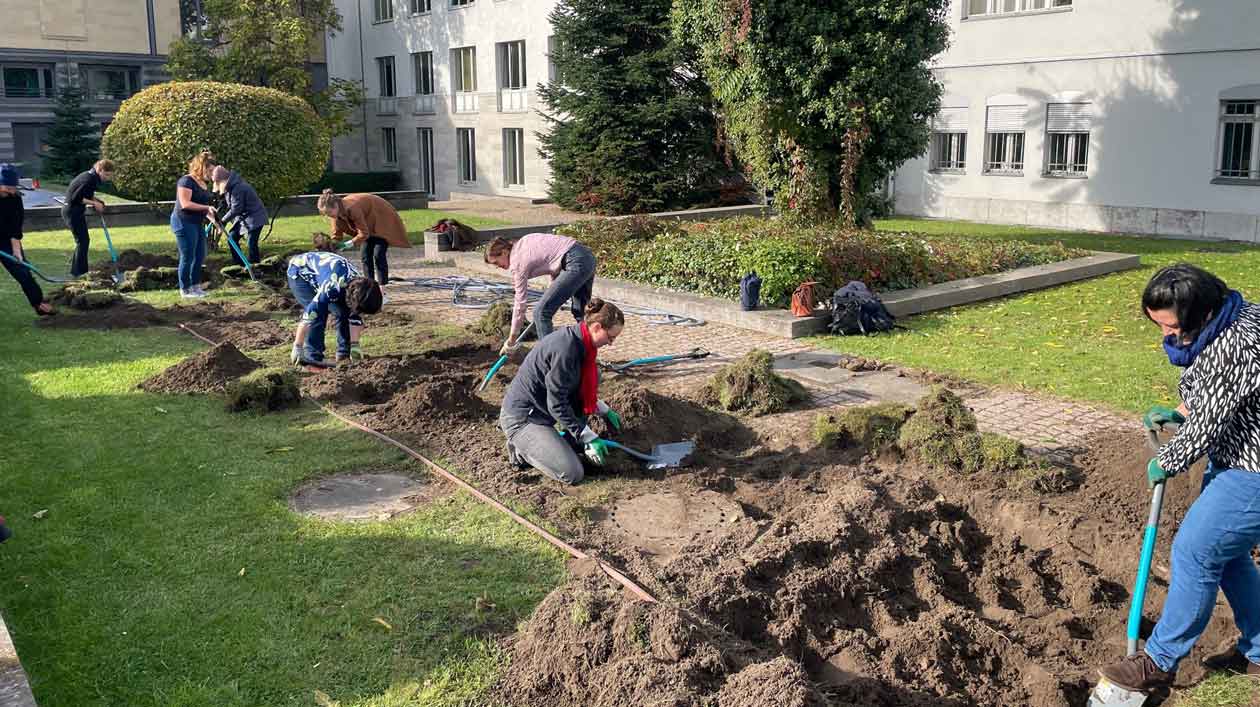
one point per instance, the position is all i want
(570, 264)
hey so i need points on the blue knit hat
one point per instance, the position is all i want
(8, 175)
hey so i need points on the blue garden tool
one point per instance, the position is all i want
(32, 268)
(502, 359)
(1106, 693)
(113, 254)
(662, 456)
(696, 353)
(236, 248)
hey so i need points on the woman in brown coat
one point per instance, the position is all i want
(371, 222)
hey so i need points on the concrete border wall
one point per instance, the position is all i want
(158, 213)
(15, 691)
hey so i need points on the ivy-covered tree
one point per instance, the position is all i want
(74, 138)
(264, 43)
(630, 125)
(820, 101)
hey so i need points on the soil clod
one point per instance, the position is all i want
(264, 391)
(751, 386)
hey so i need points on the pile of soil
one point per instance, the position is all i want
(206, 372)
(751, 386)
(131, 259)
(495, 323)
(146, 278)
(437, 399)
(942, 433)
(378, 379)
(247, 335)
(125, 314)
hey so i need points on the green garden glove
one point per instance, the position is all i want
(356, 353)
(614, 419)
(1155, 474)
(597, 451)
(1160, 415)
(347, 245)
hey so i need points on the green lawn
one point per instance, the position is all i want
(1086, 341)
(168, 569)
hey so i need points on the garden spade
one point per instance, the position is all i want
(1106, 693)
(35, 270)
(662, 456)
(113, 254)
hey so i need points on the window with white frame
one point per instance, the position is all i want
(382, 10)
(949, 140)
(424, 137)
(421, 7)
(466, 139)
(385, 73)
(422, 67)
(1005, 7)
(464, 69)
(389, 146)
(514, 157)
(1004, 140)
(461, 3)
(1237, 141)
(512, 64)
(1067, 139)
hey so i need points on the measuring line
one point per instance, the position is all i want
(437, 469)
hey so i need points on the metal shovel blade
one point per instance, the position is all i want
(662, 456)
(1106, 694)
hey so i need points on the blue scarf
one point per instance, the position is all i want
(1184, 354)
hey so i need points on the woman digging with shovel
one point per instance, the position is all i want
(12, 215)
(570, 264)
(558, 387)
(1211, 332)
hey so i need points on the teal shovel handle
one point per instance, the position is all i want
(1144, 568)
(109, 242)
(493, 370)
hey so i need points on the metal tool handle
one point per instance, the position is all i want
(631, 452)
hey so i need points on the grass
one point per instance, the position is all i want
(1087, 341)
(168, 569)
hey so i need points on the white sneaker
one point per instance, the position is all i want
(384, 299)
(192, 294)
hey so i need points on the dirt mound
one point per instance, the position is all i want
(131, 259)
(85, 299)
(205, 372)
(126, 315)
(280, 300)
(435, 400)
(264, 391)
(245, 335)
(750, 385)
(378, 379)
(146, 278)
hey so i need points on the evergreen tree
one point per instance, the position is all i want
(73, 140)
(630, 126)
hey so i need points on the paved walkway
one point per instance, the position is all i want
(1045, 425)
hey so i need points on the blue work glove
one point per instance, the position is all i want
(1159, 415)
(596, 449)
(1156, 474)
(614, 420)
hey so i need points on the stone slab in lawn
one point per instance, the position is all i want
(15, 691)
(827, 371)
(781, 322)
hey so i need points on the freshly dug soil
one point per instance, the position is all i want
(125, 315)
(131, 259)
(378, 379)
(209, 371)
(434, 399)
(495, 323)
(263, 391)
(245, 335)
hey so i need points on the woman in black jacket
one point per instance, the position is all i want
(12, 214)
(243, 208)
(82, 191)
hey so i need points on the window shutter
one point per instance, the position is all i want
(1006, 119)
(1068, 117)
(950, 120)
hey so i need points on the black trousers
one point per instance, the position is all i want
(375, 265)
(253, 253)
(77, 222)
(30, 288)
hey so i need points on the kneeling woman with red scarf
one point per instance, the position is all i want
(556, 389)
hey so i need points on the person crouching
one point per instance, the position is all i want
(322, 282)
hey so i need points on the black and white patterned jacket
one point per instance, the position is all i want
(1221, 390)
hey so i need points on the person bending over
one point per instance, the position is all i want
(323, 282)
(12, 216)
(570, 264)
(371, 222)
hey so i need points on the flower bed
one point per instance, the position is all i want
(709, 258)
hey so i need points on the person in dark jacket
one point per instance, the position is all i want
(1214, 334)
(557, 386)
(12, 214)
(243, 208)
(82, 192)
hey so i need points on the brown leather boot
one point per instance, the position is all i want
(1138, 673)
(1232, 661)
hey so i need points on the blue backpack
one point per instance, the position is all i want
(749, 292)
(856, 310)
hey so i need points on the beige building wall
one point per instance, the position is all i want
(81, 26)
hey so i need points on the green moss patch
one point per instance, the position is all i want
(263, 391)
(872, 427)
(751, 386)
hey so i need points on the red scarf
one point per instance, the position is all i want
(588, 388)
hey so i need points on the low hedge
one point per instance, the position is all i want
(710, 257)
(356, 182)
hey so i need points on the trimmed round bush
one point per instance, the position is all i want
(275, 140)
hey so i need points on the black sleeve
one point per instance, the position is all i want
(21, 218)
(563, 376)
(78, 188)
(235, 198)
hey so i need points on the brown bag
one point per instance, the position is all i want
(803, 300)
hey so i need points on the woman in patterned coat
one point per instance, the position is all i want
(1211, 332)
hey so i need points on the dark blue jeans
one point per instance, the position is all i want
(1212, 550)
(313, 348)
(574, 283)
(192, 251)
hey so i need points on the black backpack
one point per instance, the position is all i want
(856, 310)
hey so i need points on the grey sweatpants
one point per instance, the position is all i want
(542, 448)
(573, 284)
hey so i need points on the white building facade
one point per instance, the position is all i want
(1136, 116)
(451, 93)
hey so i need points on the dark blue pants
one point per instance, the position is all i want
(191, 240)
(313, 348)
(573, 284)
(76, 221)
(252, 252)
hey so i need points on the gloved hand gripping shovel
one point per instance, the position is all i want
(1107, 694)
(503, 359)
(35, 270)
(236, 248)
(662, 456)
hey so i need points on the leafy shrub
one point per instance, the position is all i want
(709, 258)
(276, 141)
(356, 182)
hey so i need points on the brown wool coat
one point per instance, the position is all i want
(364, 215)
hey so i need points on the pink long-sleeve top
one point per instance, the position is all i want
(534, 255)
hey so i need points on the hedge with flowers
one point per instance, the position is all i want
(709, 258)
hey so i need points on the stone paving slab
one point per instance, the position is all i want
(1046, 425)
(15, 691)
